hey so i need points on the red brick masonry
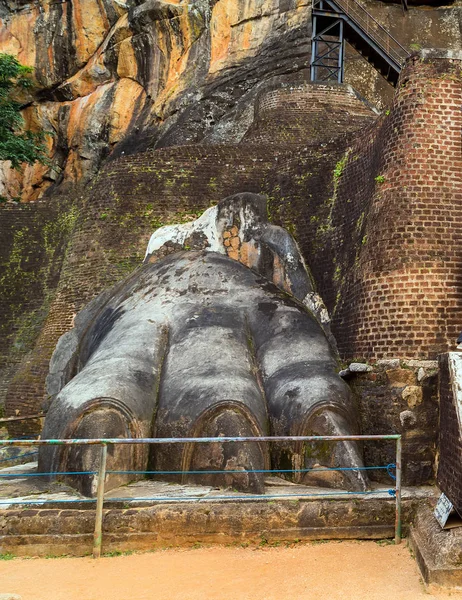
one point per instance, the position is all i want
(399, 246)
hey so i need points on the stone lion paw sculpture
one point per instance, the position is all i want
(219, 333)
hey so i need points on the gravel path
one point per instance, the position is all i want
(311, 571)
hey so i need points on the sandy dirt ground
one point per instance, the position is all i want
(327, 571)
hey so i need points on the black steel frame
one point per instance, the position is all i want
(327, 51)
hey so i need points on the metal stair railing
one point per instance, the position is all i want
(371, 27)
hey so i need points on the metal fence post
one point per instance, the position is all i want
(98, 534)
(398, 491)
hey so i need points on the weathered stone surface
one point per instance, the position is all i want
(196, 344)
(239, 228)
(383, 408)
(408, 419)
(390, 363)
(413, 395)
(438, 552)
(424, 364)
(359, 368)
(107, 70)
(401, 377)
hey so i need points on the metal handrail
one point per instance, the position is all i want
(370, 25)
(104, 442)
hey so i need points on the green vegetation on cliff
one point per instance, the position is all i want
(17, 144)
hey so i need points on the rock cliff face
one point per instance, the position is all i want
(117, 76)
(105, 69)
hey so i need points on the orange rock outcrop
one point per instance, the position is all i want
(134, 74)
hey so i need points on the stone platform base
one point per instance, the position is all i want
(438, 552)
(136, 522)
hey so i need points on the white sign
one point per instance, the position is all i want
(443, 509)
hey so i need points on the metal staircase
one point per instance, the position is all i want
(338, 21)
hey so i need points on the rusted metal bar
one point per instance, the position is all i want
(399, 449)
(9, 419)
(205, 440)
(98, 533)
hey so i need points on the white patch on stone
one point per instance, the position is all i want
(359, 368)
(314, 302)
(28, 467)
(38, 499)
(177, 234)
(407, 418)
(94, 485)
(291, 260)
(425, 364)
(389, 363)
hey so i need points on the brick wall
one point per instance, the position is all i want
(450, 442)
(395, 222)
(306, 113)
(32, 249)
(326, 213)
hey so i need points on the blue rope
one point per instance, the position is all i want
(389, 468)
(203, 472)
(18, 457)
(11, 475)
(200, 498)
(24, 437)
(312, 470)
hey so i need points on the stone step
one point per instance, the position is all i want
(136, 524)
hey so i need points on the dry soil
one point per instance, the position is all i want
(330, 571)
